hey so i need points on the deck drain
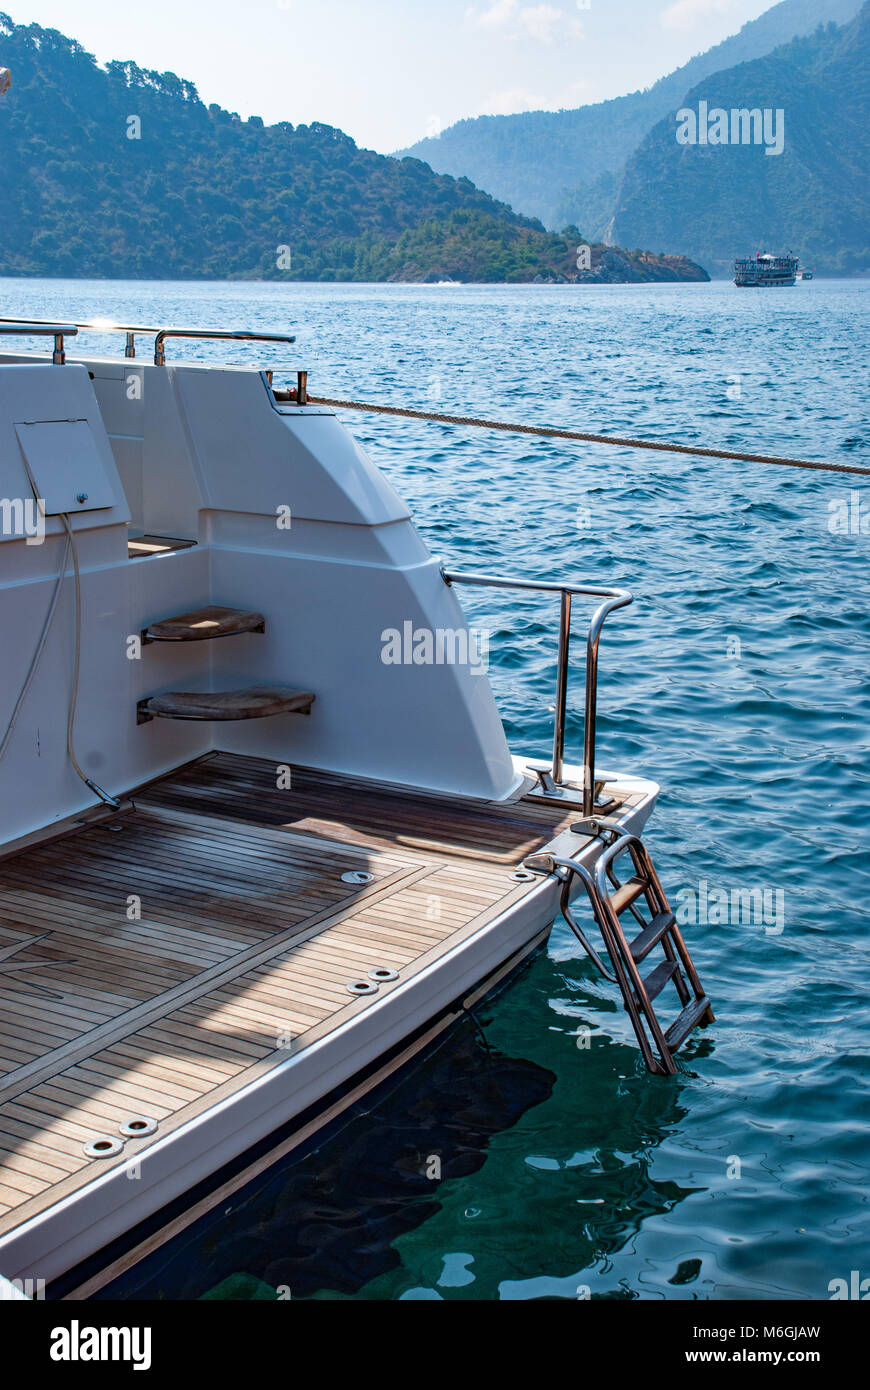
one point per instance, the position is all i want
(523, 876)
(357, 876)
(104, 1146)
(362, 987)
(138, 1126)
(381, 974)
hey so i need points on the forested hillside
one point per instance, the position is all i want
(565, 166)
(717, 201)
(125, 173)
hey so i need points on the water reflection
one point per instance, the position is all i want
(328, 1219)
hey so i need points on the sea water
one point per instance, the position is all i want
(530, 1155)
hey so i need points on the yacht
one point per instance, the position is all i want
(262, 835)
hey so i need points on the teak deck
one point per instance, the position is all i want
(155, 963)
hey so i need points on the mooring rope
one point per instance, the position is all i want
(550, 432)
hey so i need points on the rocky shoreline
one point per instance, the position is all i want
(611, 265)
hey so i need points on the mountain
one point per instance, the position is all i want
(718, 201)
(564, 166)
(124, 173)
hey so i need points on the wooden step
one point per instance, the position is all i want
(204, 625)
(144, 547)
(658, 978)
(629, 892)
(257, 702)
(683, 1024)
(643, 943)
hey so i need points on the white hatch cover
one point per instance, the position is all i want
(66, 465)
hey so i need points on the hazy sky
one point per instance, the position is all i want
(391, 71)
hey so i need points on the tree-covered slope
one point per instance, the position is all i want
(120, 172)
(719, 201)
(554, 165)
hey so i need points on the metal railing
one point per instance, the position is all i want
(615, 598)
(164, 333)
(35, 326)
(23, 328)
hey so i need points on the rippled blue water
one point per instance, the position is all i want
(738, 680)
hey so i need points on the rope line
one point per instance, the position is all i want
(550, 432)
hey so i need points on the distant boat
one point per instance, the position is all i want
(765, 270)
(807, 274)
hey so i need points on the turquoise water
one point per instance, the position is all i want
(738, 680)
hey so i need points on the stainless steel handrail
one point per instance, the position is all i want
(615, 598)
(160, 355)
(102, 326)
(161, 334)
(23, 329)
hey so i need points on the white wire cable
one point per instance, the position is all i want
(77, 661)
(43, 638)
(71, 545)
(74, 698)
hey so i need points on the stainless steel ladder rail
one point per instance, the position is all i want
(613, 599)
(609, 899)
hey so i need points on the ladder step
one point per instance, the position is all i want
(609, 900)
(258, 702)
(204, 625)
(627, 894)
(686, 1021)
(658, 978)
(650, 936)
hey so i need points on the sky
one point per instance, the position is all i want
(389, 72)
